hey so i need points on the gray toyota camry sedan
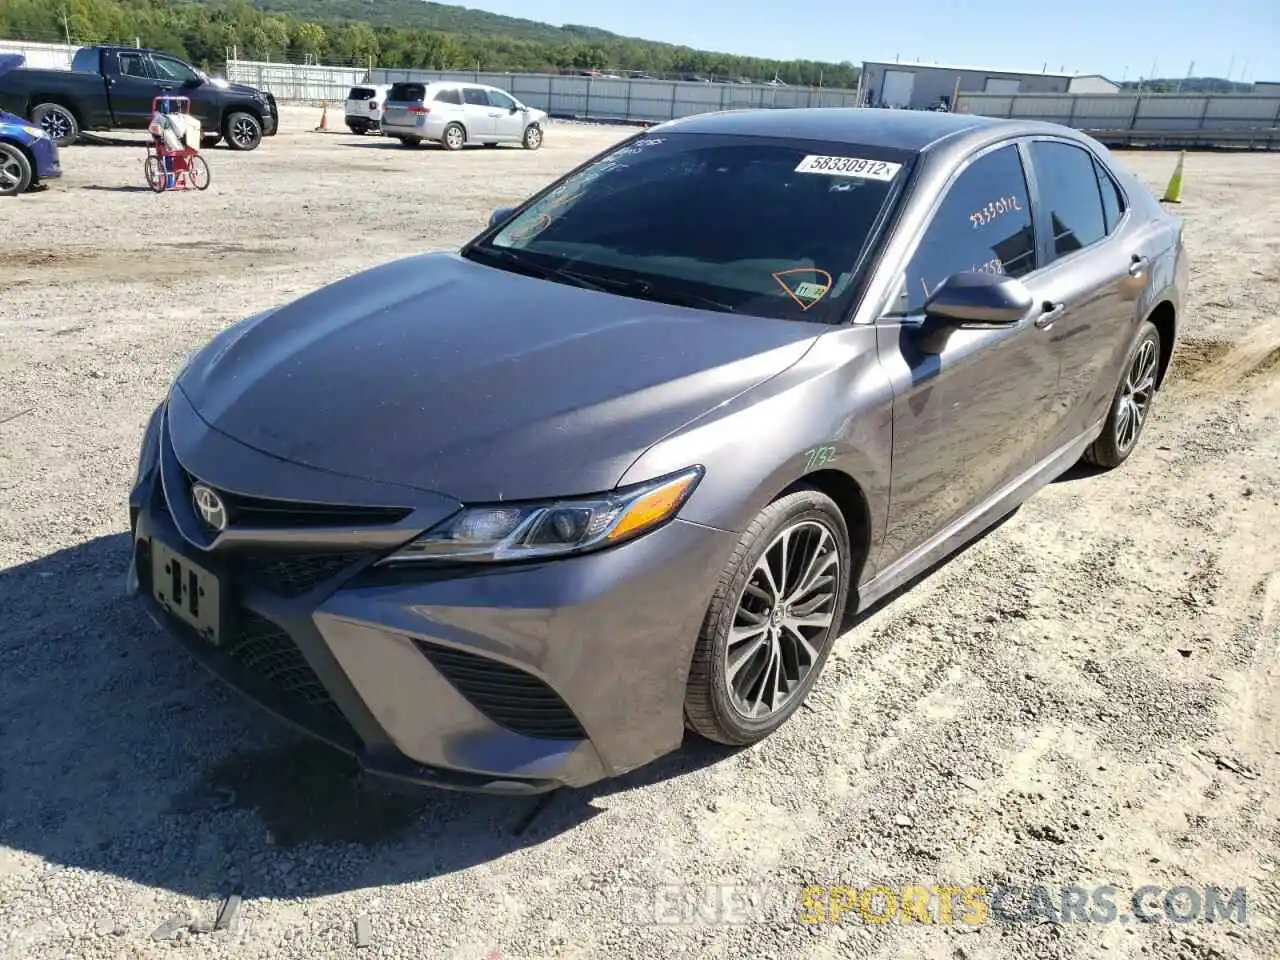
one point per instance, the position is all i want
(521, 515)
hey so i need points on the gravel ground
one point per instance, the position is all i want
(1087, 696)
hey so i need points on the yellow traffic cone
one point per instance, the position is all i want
(1173, 192)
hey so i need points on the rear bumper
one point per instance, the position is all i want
(504, 680)
(429, 130)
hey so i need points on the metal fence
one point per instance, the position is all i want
(1246, 119)
(42, 56)
(586, 98)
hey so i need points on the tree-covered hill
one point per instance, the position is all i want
(389, 33)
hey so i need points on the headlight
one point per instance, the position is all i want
(149, 454)
(35, 132)
(502, 532)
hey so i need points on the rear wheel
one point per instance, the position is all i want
(1131, 403)
(198, 173)
(15, 171)
(772, 621)
(410, 141)
(58, 122)
(454, 138)
(532, 137)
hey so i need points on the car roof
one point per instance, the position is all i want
(912, 130)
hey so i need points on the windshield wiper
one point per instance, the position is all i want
(680, 298)
(529, 268)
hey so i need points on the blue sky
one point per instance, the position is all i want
(1111, 37)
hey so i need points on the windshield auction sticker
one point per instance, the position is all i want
(849, 167)
(805, 285)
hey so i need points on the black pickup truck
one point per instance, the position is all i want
(110, 88)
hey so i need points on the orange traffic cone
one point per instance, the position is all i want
(324, 120)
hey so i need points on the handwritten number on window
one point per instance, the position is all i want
(993, 210)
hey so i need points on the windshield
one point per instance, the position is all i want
(753, 225)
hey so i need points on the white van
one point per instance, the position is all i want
(364, 107)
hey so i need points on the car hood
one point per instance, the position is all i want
(446, 375)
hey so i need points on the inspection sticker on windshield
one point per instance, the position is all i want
(849, 167)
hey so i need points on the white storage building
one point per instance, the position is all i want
(922, 86)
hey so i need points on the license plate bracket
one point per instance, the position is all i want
(187, 591)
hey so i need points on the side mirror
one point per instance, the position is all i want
(515, 108)
(972, 301)
(499, 215)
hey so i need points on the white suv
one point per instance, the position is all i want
(455, 114)
(364, 107)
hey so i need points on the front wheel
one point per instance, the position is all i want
(772, 621)
(154, 171)
(1131, 402)
(532, 137)
(243, 131)
(198, 173)
(15, 171)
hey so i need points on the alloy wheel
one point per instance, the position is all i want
(534, 138)
(56, 124)
(786, 607)
(454, 137)
(10, 172)
(1135, 396)
(243, 131)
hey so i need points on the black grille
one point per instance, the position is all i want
(270, 660)
(246, 511)
(507, 696)
(290, 574)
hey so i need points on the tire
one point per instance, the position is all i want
(532, 137)
(153, 170)
(209, 142)
(58, 122)
(243, 131)
(454, 137)
(410, 141)
(358, 131)
(1131, 403)
(16, 174)
(806, 518)
(198, 173)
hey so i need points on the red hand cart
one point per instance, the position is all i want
(170, 169)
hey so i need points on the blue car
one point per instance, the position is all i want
(27, 155)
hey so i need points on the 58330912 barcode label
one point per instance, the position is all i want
(849, 167)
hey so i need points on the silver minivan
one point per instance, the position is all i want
(455, 114)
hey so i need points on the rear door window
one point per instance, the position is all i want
(1069, 194)
(360, 93)
(449, 96)
(133, 65)
(983, 225)
(1113, 204)
(475, 97)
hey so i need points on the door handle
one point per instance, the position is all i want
(495, 116)
(1137, 266)
(1049, 313)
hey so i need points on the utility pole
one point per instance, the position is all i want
(66, 26)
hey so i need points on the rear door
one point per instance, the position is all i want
(1092, 274)
(508, 118)
(402, 98)
(478, 114)
(358, 103)
(130, 87)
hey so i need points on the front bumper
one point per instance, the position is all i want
(48, 165)
(271, 119)
(510, 679)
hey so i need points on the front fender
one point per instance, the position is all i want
(831, 411)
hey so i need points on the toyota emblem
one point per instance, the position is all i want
(210, 507)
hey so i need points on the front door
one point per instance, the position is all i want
(131, 89)
(174, 78)
(478, 114)
(508, 118)
(967, 420)
(1079, 209)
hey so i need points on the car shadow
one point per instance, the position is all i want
(391, 143)
(93, 140)
(122, 756)
(1080, 471)
(121, 189)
